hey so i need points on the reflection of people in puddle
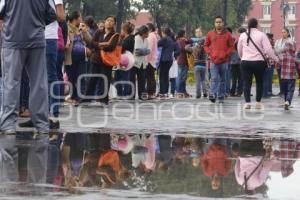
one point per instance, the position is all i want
(215, 164)
(253, 165)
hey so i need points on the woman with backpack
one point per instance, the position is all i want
(252, 47)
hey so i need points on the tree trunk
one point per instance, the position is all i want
(120, 15)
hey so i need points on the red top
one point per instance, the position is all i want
(219, 46)
(215, 161)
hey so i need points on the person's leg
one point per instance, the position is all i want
(141, 75)
(234, 74)
(164, 77)
(290, 90)
(24, 90)
(151, 83)
(271, 80)
(70, 70)
(118, 84)
(247, 77)
(107, 72)
(279, 78)
(203, 80)
(133, 74)
(126, 85)
(184, 78)
(214, 81)
(13, 61)
(284, 87)
(222, 86)
(266, 83)
(81, 70)
(197, 73)
(240, 80)
(51, 55)
(180, 79)
(259, 71)
(173, 85)
(60, 76)
(92, 81)
(228, 79)
(38, 98)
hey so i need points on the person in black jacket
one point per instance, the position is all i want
(169, 48)
(101, 41)
(121, 75)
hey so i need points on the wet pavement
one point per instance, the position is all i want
(173, 149)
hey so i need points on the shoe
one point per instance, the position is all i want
(27, 124)
(212, 99)
(24, 113)
(205, 95)
(162, 97)
(259, 106)
(180, 96)
(8, 132)
(54, 125)
(247, 106)
(187, 95)
(198, 96)
(221, 101)
(286, 105)
(172, 96)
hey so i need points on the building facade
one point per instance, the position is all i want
(272, 20)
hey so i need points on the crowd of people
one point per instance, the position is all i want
(80, 60)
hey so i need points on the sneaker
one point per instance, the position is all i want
(205, 95)
(172, 96)
(27, 124)
(212, 99)
(180, 96)
(54, 124)
(187, 95)
(247, 106)
(259, 105)
(198, 96)
(162, 97)
(221, 101)
(286, 105)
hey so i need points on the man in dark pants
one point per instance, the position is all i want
(25, 48)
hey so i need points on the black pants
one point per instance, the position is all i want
(256, 68)
(104, 70)
(237, 82)
(279, 79)
(151, 83)
(139, 75)
(164, 68)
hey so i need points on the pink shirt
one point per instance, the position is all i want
(152, 40)
(249, 52)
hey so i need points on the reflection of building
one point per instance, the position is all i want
(271, 18)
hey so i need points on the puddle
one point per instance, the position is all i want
(182, 165)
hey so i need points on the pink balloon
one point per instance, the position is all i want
(124, 60)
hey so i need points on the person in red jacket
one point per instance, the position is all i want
(215, 164)
(219, 45)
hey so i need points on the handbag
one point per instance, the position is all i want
(258, 49)
(112, 58)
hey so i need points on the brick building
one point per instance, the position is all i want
(270, 16)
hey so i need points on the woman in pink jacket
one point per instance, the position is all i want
(252, 48)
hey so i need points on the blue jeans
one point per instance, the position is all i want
(123, 89)
(181, 79)
(60, 76)
(288, 89)
(51, 55)
(173, 85)
(218, 77)
(268, 79)
(228, 79)
(200, 77)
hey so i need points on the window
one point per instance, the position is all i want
(267, 11)
(266, 29)
(292, 32)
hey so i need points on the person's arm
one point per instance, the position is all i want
(189, 48)
(110, 46)
(207, 44)
(268, 48)
(240, 47)
(60, 11)
(230, 45)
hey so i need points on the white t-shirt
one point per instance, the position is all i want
(52, 29)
